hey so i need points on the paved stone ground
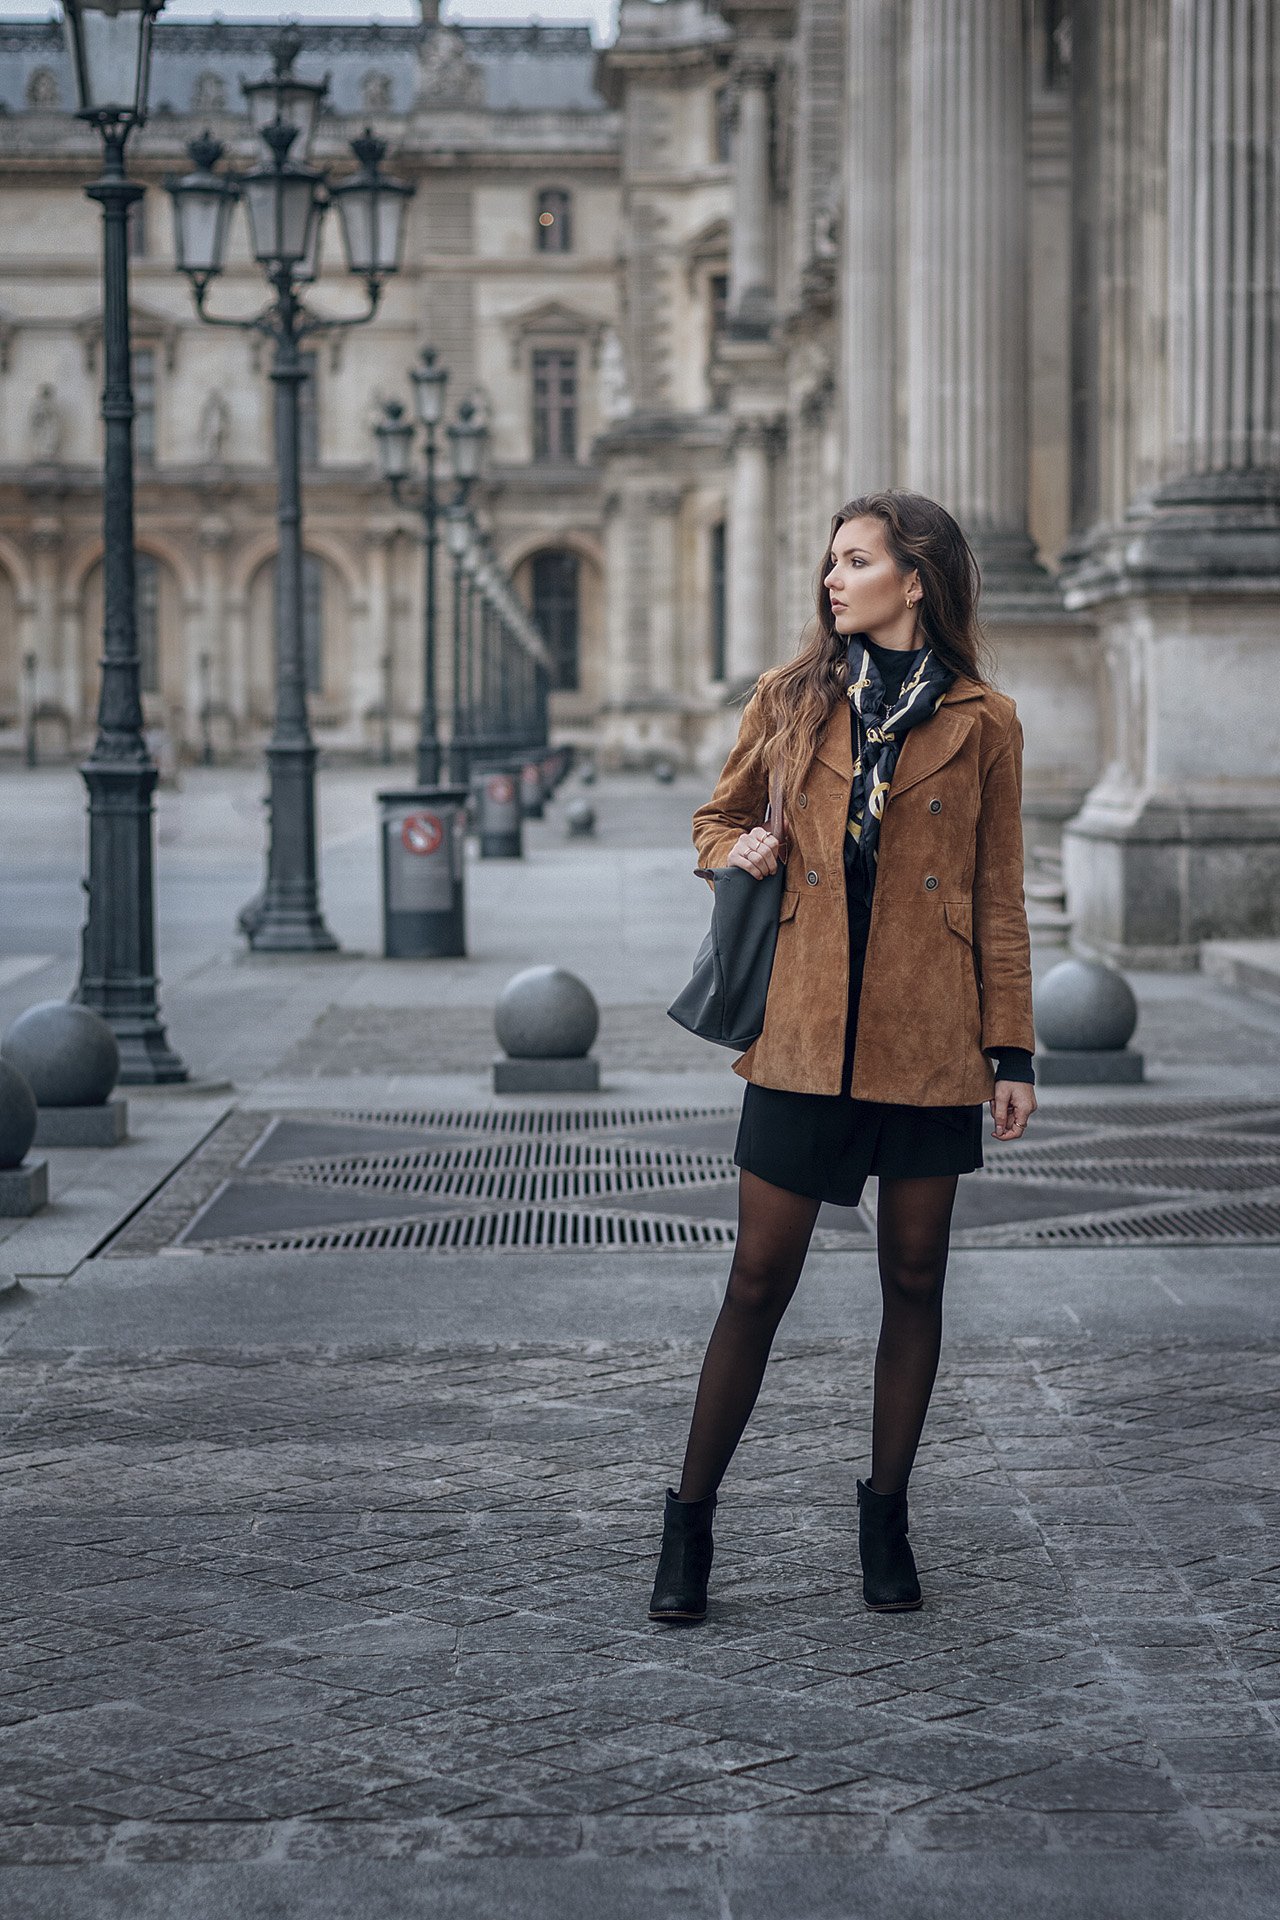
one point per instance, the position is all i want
(276, 1603)
(324, 1577)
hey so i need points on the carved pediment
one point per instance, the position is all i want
(552, 321)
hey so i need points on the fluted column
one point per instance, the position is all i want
(44, 637)
(750, 258)
(664, 591)
(868, 308)
(1224, 238)
(966, 271)
(369, 688)
(1175, 844)
(210, 683)
(750, 557)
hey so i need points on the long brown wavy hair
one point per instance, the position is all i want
(798, 699)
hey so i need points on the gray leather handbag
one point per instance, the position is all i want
(725, 998)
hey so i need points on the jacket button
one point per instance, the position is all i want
(935, 806)
(802, 799)
(930, 882)
(812, 878)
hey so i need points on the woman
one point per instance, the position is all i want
(901, 834)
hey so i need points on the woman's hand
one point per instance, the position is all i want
(1012, 1105)
(756, 852)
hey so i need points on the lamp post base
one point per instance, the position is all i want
(117, 970)
(286, 918)
(428, 763)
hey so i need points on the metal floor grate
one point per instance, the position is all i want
(531, 1120)
(528, 1227)
(530, 1172)
(1155, 1113)
(1210, 1224)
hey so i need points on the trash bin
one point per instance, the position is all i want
(496, 790)
(423, 903)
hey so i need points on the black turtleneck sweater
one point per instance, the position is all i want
(893, 666)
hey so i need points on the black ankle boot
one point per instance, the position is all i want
(680, 1590)
(889, 1583)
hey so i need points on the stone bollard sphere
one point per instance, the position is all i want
(17, 1116)
(664, 773)
(1085, 1004)
(546, 1013)
(580, 817)
(66, 1053)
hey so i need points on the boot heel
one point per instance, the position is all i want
(889, 1582)
(680, 1590)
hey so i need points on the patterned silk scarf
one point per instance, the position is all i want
(880, 735)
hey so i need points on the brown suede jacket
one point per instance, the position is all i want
(948, 967)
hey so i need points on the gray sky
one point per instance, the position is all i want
(600, 13)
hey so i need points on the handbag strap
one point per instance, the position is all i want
(775, 818)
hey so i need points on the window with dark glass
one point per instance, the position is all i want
(555, 404)
(718, 290)
(555, 613)
(313, 620)
(718, 603)
(553, 226)
(143, 376)
(146, 604)
(722, 109)
(309, 412)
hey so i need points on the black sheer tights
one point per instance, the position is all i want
(774, 1229)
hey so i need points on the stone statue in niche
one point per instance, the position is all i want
(43, 91)
(615, 390)
(215, 419)
(46, 426)
(375, 92)
(446, 75)
(209, 94)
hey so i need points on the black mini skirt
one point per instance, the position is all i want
(824, 1145)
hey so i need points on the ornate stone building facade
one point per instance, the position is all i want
(710, 281)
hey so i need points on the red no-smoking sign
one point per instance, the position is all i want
(422, 833)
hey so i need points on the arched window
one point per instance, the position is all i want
(555, 613)
(553, 227)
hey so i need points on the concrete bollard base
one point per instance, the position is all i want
(1088, 1067)
(102, 1126)
(24, 1189)
(547, 1076)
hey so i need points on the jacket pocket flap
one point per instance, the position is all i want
(959, 916)
(787, 911)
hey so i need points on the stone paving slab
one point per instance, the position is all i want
(755, 1886)
(92, 1189)
(264, 1603)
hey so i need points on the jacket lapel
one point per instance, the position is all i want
(925, 749)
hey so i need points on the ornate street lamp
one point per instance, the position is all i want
(285, 199)
(394, 437)
(467, 436)
(110, 47)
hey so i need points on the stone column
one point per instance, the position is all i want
(869, 268)
(751, 243)
(966, 277)
(750, 563)
(215, 537)
(42, 636)
(663, 505)
(367, 683)
(1179, 841)
(239, 695)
